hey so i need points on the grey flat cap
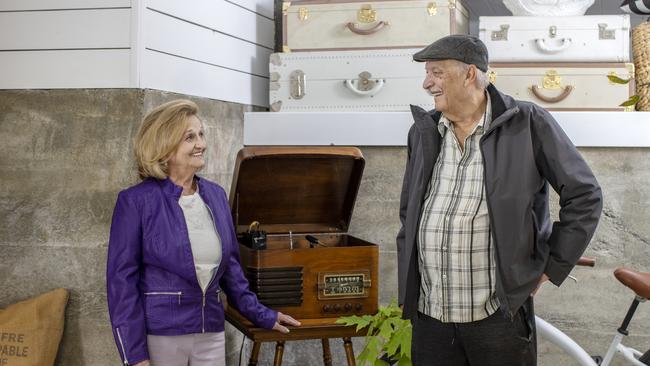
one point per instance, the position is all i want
(461, 47)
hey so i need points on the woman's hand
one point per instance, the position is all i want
(143, 363)
(284, 319)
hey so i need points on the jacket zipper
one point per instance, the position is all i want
(119, 337)
(487, 201)
(179, 294)
(214, 225)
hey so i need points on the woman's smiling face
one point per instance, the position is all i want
(190, 153)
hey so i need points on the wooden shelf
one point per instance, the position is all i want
(586, 129)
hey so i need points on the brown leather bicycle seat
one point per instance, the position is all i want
(639, 282)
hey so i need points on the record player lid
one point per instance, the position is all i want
(298, 189)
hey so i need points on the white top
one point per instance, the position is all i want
(204, 239)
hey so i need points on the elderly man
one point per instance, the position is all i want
(476, 240)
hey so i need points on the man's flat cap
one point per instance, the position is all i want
(461, 47)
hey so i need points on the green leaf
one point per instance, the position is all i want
(386, 333)
(385, 330)
(406, 343)
(617, 80)
(404, 361)
(393, 345)
(362, 324)
(362, 358)
(348, 320)
(630, 102)
(373, 350)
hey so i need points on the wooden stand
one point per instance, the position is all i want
(322, 328)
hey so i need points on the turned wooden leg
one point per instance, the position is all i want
(254, 353)
(279, 350)
(349, 353)
(327, 355)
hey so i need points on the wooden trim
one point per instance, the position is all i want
(355, 48)
(266, 151)
(309, 329)
(559, 109)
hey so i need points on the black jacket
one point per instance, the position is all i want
(524, 149)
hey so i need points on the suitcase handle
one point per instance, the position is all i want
(565, 93)
(365, 32)
(541, 44)
(351, 84)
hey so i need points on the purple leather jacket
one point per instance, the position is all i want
(150, 277)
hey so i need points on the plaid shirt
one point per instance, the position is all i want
(455, 244)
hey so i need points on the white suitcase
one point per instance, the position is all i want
(368, 81)
(565, 86)
(319, 25)
(589, 38)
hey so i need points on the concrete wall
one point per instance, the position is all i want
(65, 155)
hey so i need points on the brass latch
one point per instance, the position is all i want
(366, 14)
(492, 76)
(303, 13)
(432, 9)
(552, 80)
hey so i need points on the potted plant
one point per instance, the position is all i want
(388, 337)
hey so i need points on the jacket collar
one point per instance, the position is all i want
(175, 191)
(503, 107)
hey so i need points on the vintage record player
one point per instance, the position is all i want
(292, 207)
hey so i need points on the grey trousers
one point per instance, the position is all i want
(205, 349)
(493, 341)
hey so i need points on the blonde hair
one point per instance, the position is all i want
(160, 133)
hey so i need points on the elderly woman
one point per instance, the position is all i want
(173, 249)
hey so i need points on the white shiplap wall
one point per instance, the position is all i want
(216, 49)
(65, 44)
(210, 48)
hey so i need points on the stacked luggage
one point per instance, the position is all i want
(560, 62)
(351, 55)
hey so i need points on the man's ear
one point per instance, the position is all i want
(470, 76)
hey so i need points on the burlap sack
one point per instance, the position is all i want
(30, 330)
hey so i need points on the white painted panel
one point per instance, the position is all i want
(327, 128)
(262, 7)
(167, 34)
(220, 16)
(164, 72)
(8, 5)
(595, 128)
(102, 28)
(64, 69)
(585, 129)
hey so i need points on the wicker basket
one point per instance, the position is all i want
(641, 52)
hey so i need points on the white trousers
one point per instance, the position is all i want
(204, 349)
